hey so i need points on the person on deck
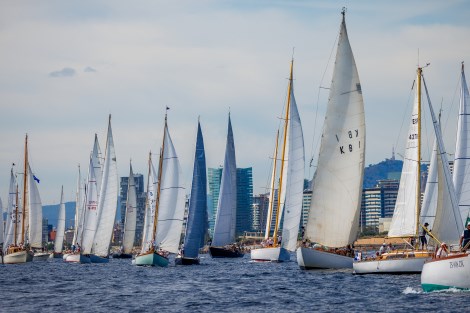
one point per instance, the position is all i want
(442, 252)
(465, 238)
(422, 237)
(382, 249)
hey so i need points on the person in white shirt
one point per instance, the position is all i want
(443, 251)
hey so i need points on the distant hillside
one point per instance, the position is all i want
(51, 213)
(388, 169)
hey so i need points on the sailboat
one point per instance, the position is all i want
(223, 241)
(79, 213)
(2, 233)
(196, 225)
(129, 220)
(27, 220)
(60, 231)
(168, 213)
(290, 188)
(333, 216)
(453, 271)
(406, 217)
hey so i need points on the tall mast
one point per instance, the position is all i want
(418, 178)
(286, 125)
(271, 196)
(159, 182)
(16, 214)
(25, 176)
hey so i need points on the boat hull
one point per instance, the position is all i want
(186, 261)
(41, 256)
(77, 258)
(444, 273)
(308, 258)
(122, 256)
(222, 252)
(98, 259)
(273, 254)
(151, 259)
(22, 256)
(55, 255)
(403, 265)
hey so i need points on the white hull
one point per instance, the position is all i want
(77, 258)
(18, 257)
(399, 265)
(274, 254)
(41, 256)
(445, 273)
(65, 255)
(308, 258)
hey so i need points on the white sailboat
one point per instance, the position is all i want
(405, 221)
(223, 241)
(60, 231)
(130, 220)
(79, 213)
(169, 208)
(197, 223)
(336, 198)
(27, 225)
(453, 271)
(107, 203)
(149, 206)
(290, 187)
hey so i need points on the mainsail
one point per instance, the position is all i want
(149, 206)
(35, 212)
(225, 223)
(131, 215)
(336, 199)
(107, 201)
(197, 212)
(90, 214)
(461, 175)
(60, 231)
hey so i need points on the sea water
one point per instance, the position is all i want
(216, 285)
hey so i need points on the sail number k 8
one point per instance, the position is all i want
(350, 147)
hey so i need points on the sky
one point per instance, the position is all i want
(66, 65)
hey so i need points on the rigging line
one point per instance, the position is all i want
(453, 101)
(404, 114)
(314, 147)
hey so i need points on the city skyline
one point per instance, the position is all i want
(66, 66)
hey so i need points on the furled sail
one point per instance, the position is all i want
(131, 215)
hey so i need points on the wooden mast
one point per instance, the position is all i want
(16, 213)
(271, 206)
(25, 178)
(286, 125)
(159, 182)
(418, 178)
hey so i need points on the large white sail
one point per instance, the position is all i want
(107, 201)
(90, 214)
(96, 159)
(35, 212)
(171, 202)
(336, 198)
(147, 237)
(14, 215)
(404, 216)
(294, 177)
(428, 209)
(60, 231)
(79, 208)
(448, 224)
(461, 174)
(272, 193)
(131, 215)
(225, 223)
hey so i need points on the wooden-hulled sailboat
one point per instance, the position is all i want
(60, 231)
(27, 217)
(196, 225)
(129, 220)
(290, 190)
(336, 198)
(223, 241)
(453, 271)
(406, 217)
(168, 212)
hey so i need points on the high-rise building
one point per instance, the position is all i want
(306, 200)
(260, 211)
(378, 202)
(141, 199)
(244, 198)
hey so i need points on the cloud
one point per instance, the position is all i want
(89, 69)
(65, 72)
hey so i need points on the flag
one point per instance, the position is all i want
(36, 179)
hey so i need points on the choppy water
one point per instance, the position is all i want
(217, 285)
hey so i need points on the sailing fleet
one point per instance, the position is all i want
(333, 217)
